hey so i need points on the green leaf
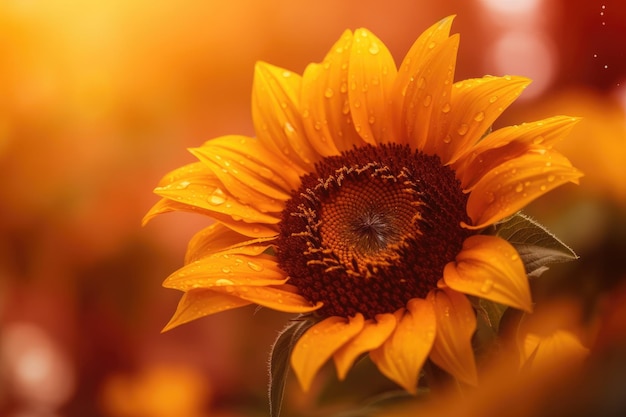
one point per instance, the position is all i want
(536, 246)
(279, 360)
(490, 311)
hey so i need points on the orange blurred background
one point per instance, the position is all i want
(100, 98)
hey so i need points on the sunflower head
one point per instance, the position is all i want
(363, 203)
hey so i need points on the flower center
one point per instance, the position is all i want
(372, 228)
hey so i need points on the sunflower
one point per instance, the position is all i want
(360, 203)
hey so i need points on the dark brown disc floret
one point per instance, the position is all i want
(372, 228)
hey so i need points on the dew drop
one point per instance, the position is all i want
(255, 267)
(538, 140)
(421, 83)
(551, 178)
(490, 197)
(480, 116)
(543, 188)
(286, 74)
(346, 107)
(182, 185)
(446, 108)
(374, 48)
(487, 286)
(431, 45)
(217, 197)
(329, 93)
(462, 130)
(447, 139)
(371, 120)
(343, 87)
(519, 188)
(223, 282)
(428, 100)
(493, 99)
(317, 126)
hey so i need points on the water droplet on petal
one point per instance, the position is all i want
(421, 83)
(371, 120)
(446, 108)
(346, 107)
(329, 93)
(487, 286)
(222, 282)
(519, 188)
(428, 100)
(551, 178)
(463, 128)
(431, 45)
(493, 99)
(182, 185)
(374, 49)
(538, 140)
(447, 139)
(217, 197)
(255, 267)
(480, 116)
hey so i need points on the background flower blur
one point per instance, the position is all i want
(100, 98)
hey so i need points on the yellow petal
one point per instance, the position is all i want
(256, 164)
(510, 186)
(279, 298)
(475, 105)
(402, 355)
(187, 172)
(209, 193)
(373, 334)
(489, 267)
(371, 75)
(325, 102)
(224, 269)
(319, 343)
(255, 230)
(181, 176)
(199, 303)
(219, 238)
(427, 97)
(276, 115)
(248, 187)
(456, 323)
(417, 57)
(508, 143)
